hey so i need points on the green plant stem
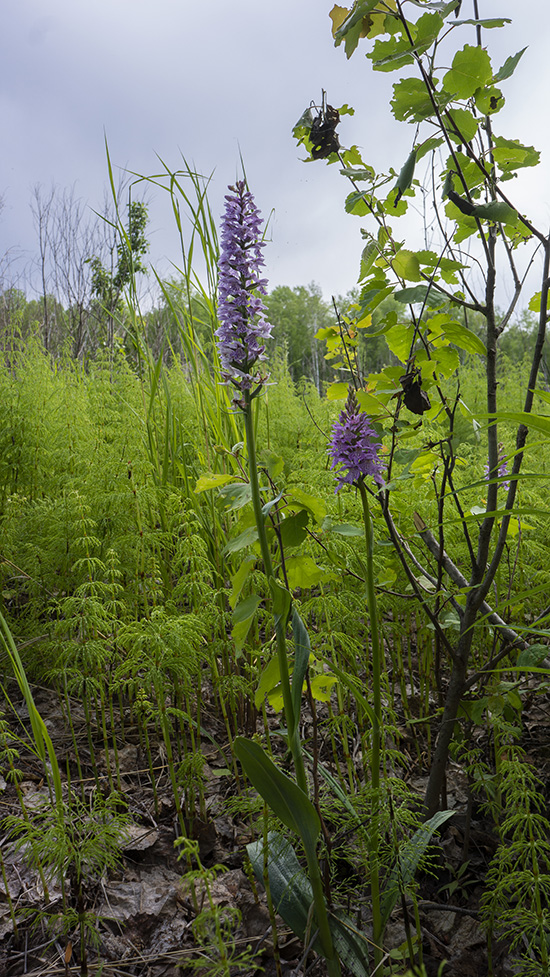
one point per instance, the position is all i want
(280, 625)
(325, 936)
(375, 755)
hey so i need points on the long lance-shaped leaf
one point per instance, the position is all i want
(302, 650)
(287, 801)
(292, 897)
(42, 738)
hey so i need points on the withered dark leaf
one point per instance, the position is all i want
(415, 399)
(323, 136)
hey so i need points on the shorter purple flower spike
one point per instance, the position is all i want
(243, 327)
(354, 446)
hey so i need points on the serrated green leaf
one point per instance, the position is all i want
(358, 173)
(356, 203)
(457, 334)
(411, 101)
(427, 146)
(464, 125)
(321, 687)
(293, 529)
(303, 572)
(337, 391)
(488, 22)
(534, 655)
(368, 403)
(510, 154)
(489, 100)
(313, 503)
(236, 495)
(420, 295)
(399, 339)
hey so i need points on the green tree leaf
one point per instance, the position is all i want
(471, 69)
(511, 155)
(509, 65)
(293, 529)
(407, 266)
(464, 126)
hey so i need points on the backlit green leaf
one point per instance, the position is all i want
(207, 482)
(407, 266)
(471, 69)
(411, 100)
(399, 340)
(464, 126)
(509, 65)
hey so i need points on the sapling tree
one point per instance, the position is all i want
(451, 93)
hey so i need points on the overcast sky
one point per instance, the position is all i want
(209, 80)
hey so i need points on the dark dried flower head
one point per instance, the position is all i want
(354, 447)
(243, 327)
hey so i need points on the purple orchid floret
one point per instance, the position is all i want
(354, 447)
(243, 326)
(502, 468)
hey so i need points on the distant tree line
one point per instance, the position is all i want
(87, 263)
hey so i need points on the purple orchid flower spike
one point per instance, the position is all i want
(243, 326)
(354, 447)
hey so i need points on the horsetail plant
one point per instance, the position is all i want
(241, 340)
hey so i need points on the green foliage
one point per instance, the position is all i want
(515, 902)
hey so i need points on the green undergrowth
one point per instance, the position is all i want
(122, 585)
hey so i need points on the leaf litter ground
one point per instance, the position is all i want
(146, 912)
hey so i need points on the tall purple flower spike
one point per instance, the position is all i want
(243, 326)
(354, 447)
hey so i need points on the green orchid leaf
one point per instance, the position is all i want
(302, 650)
(292, 898)
(287, 801)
